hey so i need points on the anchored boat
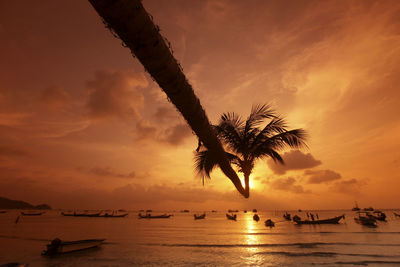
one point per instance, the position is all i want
(378, 215)
(231, 217)
(256, 217)
(334, 220)
(365, 218)
(148, 216)
(32, 213)
(287, 216)
(269, 223)
(199, 217)
(57, 246)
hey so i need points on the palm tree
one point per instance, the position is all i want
(247, 143)
(130, 22)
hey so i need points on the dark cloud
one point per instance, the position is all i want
(165, 114)
(349, 186)
(114, 94)
(110, 172)
(174, 135)
(321, 176)
(287, 184)
(177, 134)
(54, 97)
(294, 160)
(144, 130)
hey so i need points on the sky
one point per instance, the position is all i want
(82, 125)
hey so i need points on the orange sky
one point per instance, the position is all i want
(82, 125)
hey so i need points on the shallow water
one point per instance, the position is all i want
(215, 241)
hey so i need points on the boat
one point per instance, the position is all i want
(57, 246)
(68, 213)
(14, 264)
(199, 217)
(96, 214)
(396, 214)
(356, 208)
(213, 211)
(232, 211)
(185, 211)
(334, 220)
(256, 217)
(83, 214)
(80, 214)
(254, 210)
(149, 216)
(368, 209)
(365, 218)
(32, 213)
(245, 211)
(269, 223)
(287, 216)
(3, 211)
(149, 210)
(378, 215)
(112, 215)
(231, 217)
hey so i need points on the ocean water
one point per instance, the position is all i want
(215, 241)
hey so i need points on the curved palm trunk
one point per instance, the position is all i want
(247, 184)
(130, 21)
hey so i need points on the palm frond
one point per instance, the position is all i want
(292, 139)
(232, 118)
(275, 126)
(271, 153)
(257, 115)
(206, 161)
(229, 129)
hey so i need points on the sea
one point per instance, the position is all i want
(214, 241)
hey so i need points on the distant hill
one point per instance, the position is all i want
(6, 203)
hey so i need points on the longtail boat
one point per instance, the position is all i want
(58, 246)
(32, 213)
(269, 223)
(199, 217)
(256, 217)
(231, 217)
(112, 215)
(365, 218)
(148, 216)
(287, 217)
(334, 220)
(378, 215)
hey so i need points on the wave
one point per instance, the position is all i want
(324, 254)
(23, 238)
(300, 245)
(310, 233)
(359, 263)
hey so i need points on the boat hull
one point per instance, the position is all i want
(231, 217)
(334, 220)
(200, 217)
(154, 217)
(366, 222)
(60, 247)
(31, 214)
